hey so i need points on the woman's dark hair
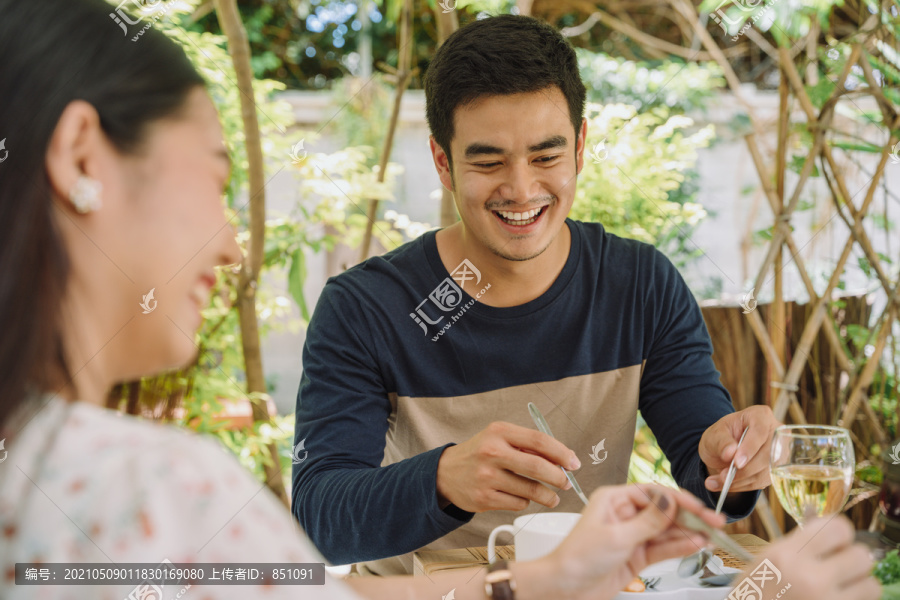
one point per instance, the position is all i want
(501, 55)
(51, 53)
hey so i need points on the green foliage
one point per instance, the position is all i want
(365, 111)
(336, 189)
(887, 570)
(680, 87)
(785, 20)
(633, 163)
(309, 44)
(648, 463)
(249, 445)
(639, 177)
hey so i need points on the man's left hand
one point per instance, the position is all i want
(720, 441)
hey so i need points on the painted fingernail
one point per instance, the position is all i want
(663, 503)
(741, 462)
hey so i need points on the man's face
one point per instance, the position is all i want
(515, 161)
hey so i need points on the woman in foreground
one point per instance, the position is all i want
(111, 185)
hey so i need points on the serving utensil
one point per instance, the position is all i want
(717, 537)
(712, 579)
(695, 563)
(542, 426)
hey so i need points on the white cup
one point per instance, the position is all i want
(535, 535)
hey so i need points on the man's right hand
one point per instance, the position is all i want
(504, 467)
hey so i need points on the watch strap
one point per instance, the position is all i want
(499, 583)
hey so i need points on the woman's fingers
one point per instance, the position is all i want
(674, 547)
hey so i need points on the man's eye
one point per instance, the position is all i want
(486, 165)
(546, 159)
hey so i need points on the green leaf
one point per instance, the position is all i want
(296, 279)
(763, 235)
(796, 165)
(803, 205)
(865, 266)
(861, 147)
(887, 571)
(821, 92)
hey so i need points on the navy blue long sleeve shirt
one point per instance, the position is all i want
(399, 363)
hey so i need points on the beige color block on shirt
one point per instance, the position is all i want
(581, 411)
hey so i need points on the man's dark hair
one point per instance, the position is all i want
(506, 54)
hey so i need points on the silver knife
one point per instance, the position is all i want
(731, 472)
(541, 423)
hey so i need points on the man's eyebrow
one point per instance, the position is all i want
(556, 141)
(478, 149)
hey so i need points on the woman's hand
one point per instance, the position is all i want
(622, 530)
(820, 561)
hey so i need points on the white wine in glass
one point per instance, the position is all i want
(812, 468)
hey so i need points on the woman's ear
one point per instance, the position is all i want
(74, 148)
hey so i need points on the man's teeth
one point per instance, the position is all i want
(518, 216)
(523, 218)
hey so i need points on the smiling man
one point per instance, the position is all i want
(419, 364)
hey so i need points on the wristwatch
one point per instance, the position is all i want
(499, 583)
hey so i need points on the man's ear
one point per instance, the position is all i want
(579, 147)
(72, 151)
(441, 163)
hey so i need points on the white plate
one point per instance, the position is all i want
(673, 587)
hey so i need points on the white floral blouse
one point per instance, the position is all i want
(80, 483)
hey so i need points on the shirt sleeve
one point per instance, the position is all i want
(681, 395)
(352, 508)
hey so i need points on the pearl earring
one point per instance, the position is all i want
(85, 194)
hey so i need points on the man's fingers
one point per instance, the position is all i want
(753, 477)
(528, 439)
(529, 489)
(535, 467)
(718, 444)
(756, 443)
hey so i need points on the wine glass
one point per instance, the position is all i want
(812, 468)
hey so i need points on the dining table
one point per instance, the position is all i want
(426, 562)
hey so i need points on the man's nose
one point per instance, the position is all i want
(519, 184)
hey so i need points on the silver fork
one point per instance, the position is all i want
(693, 564)
(651, 582)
